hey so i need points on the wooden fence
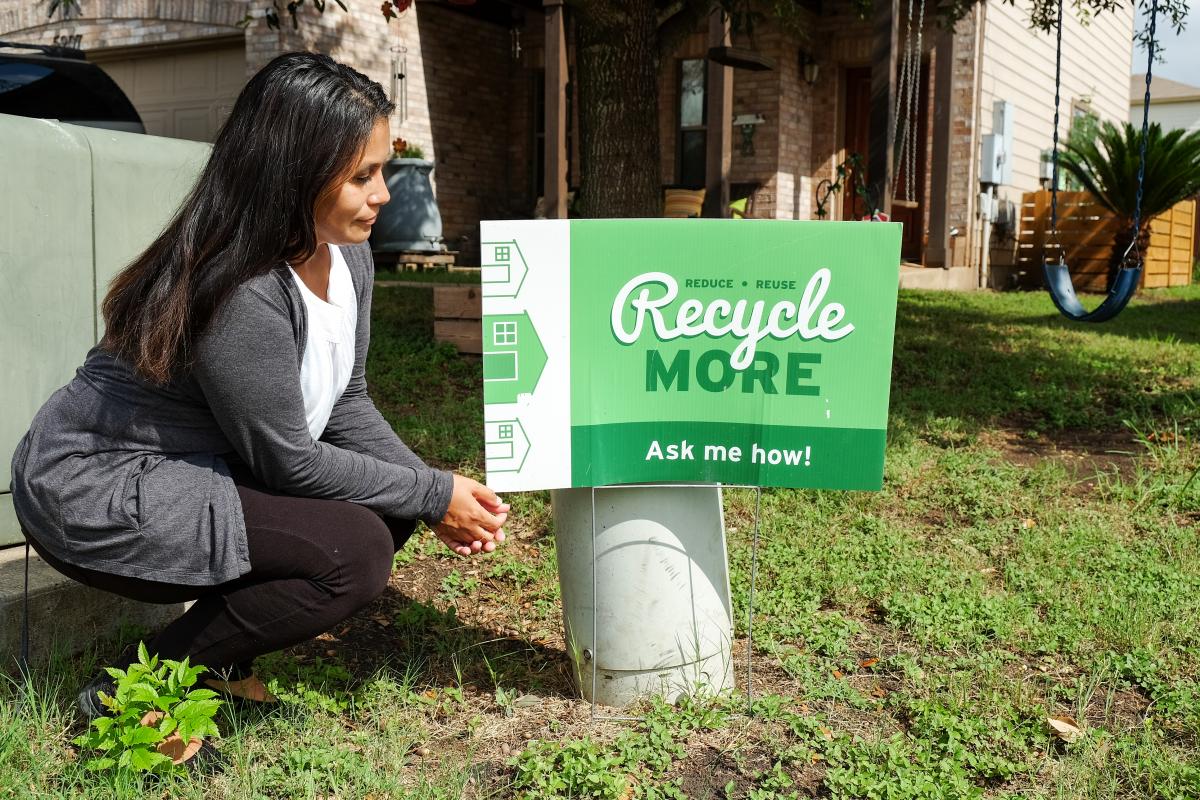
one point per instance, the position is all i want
(1086, 231)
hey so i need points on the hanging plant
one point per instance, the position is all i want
(391, 9)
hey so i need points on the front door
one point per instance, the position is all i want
(857, 126)
(910, 211)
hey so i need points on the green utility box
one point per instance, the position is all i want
(79, 204)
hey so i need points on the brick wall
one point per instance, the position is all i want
(472, 116)
(960, 200)
(123, 23)
(827, 149)
(795, 168)
(474, 122)
(758, 93)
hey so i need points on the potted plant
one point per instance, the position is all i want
(156, 722)
(411, 221)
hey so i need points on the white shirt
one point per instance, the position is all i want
(329, 351)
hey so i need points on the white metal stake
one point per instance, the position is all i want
(750, 608)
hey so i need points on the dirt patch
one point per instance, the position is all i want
(737, 755)
(707, 770)
(1124, 710)
(1084, 453)
(452, 635)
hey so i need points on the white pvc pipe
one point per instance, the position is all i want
(664, 620)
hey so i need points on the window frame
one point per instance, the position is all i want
(681, 129)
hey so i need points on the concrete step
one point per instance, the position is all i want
(64, 616)
(959, 279)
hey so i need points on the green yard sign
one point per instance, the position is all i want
(734, 351)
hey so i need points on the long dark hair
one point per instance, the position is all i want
(296, 131)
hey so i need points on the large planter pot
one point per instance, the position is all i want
(411, 220)
(173, 747)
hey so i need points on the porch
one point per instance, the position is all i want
(503, 124)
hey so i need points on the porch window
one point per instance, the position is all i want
(691, 149)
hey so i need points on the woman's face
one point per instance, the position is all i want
(346, 213)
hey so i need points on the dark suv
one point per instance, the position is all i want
(59, 83)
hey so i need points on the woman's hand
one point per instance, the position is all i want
(472, 522)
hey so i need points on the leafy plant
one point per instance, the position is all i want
(403, 149)
(149, 686)
(1107, 165)
(319, 686)
(455, 586)
(852, 169)
(579, 768)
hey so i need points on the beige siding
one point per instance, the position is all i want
(1184, 115)
(1018, 66)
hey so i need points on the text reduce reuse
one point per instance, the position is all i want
(753, 352)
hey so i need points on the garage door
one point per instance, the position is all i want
(184, 94)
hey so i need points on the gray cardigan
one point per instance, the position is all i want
(121, 476)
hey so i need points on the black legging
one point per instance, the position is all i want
(313, 563)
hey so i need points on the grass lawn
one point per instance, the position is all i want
(1035, 552)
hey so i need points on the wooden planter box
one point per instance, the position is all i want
(458, 317)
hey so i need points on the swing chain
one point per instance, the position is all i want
(914, 87)
(901, 126)
(910, 70)
(1054, 156)
(1137, 205)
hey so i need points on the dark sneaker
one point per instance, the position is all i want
(89, 696)
(208, 761)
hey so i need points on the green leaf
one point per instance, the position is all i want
(208, 729)
(190, 674)
(145, 735)
(143, 656)
(145, 759)
(141, 693)
(97, 764)
(167, 725)
(200, 694)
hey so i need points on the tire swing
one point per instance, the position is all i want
(1058, 277)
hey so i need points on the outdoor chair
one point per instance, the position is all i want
(683, 203)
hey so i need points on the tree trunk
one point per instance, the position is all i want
(618, 109)
(1121, 243)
